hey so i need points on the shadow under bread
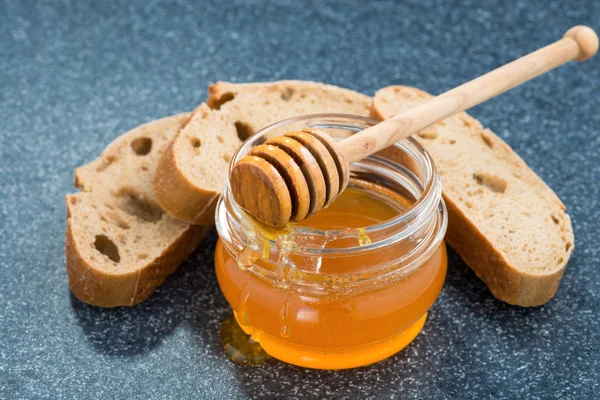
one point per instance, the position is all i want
(190, 295)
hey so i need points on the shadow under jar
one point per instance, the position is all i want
(352, 284)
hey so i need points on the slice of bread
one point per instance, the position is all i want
(504, 221)
(120, 245)
(191, 173)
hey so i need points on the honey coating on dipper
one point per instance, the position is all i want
(331, 329)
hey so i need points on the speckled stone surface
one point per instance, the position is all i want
(76, 74)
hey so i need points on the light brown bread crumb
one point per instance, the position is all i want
(504, 221)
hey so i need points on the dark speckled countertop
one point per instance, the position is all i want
(76, 74)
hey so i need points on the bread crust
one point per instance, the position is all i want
(178, 195)
(97, 287)
(93, 277)
(508, 281)
(256, 105)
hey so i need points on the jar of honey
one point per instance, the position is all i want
(352, 284)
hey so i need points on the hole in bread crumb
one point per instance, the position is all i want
(487, 140)
(287, 94)
(123, 225)
(555, 219)
(473, 193)
(227, 158)
(117, 219)
(195, 142)
(216, 103)
(492, 182)
(106, 246)
(142, 256)
(560, 261)
(243, 130)
(220, 139)
(452, 141)
(136, 205)
(106, 161)
(430, 134)
(73, 200)
(568, 246)
(144, 168)
(142, 146)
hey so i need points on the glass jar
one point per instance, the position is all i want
(339, 296)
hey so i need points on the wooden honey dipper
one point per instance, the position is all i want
(293, 176)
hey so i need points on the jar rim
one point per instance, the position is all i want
(426, 203)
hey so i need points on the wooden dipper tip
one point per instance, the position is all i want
(260, 189)
(289, 177)
(586, 39)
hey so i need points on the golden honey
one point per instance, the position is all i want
(335, 330)
(347, 287)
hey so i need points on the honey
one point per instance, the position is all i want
(336, 330)
(240, 347)
(350, 285)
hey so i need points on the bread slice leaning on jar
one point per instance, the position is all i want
(503, 220)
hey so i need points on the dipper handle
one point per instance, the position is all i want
(579, 43)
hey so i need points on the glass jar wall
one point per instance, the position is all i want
(352, 284)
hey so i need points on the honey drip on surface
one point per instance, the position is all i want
(242, 348)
